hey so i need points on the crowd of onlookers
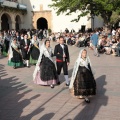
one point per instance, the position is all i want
(108, 42)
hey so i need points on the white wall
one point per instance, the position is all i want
(98, 22)
(60, 22)
(28, 17)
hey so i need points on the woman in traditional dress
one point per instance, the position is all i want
(35, 50)
(15, 57)
(82, 82)
(1, 43)
(45, 71)
(7, 40)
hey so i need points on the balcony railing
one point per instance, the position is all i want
(9, 4)
(9, 0)
(22, 6)
(13, 4)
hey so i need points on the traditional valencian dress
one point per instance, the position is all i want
(15, 57)
(45, 71)
(1, 44)
(82, 81)
(7, 41)
(35, 51)
(25, 45)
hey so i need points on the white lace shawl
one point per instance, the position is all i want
(47, 53)
(10, 52)
(79, 62)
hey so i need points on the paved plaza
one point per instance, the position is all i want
(21, 99)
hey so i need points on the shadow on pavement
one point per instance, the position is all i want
(90, 110)
(13, 100)
(12, 93)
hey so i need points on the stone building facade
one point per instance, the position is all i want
(36, 14)
(12, 14)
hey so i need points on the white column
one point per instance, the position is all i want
(12, 25)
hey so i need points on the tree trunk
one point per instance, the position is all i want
(106, 18)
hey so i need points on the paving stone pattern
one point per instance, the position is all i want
(21, 99)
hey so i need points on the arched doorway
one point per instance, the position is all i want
(42, 23)
(5, 22)
(18, 22)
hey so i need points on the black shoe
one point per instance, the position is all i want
(98, 55)
(67, 84)
(14, 67)
(87, 100)
(52, 86)
(24, 65)
(58, 83)
(28, 66)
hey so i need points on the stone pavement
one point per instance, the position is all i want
(20, 99)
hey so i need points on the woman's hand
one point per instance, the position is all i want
(68, 63)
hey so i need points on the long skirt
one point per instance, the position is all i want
(16, 60)
(25, 54)
(34, 54)
(4, 51)
(47, 74)
(84, 84)
(32, 61)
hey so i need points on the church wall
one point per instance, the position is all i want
(56, 23)
(59, 23)
(98, 22)
(28, 17)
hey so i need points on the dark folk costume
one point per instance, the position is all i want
(25, 48)
(1, 45)
(35, 51)
(45, 71)
(82, 80)
(15, 56)
(7, 40)
(61, 62)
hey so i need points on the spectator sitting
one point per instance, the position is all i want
(101, 44)
(114, 45)
(118, 47)
(81, 41)
(108, 46)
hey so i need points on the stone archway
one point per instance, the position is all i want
(44, 16)
(42, 23)
(17, 22)
(5, 22)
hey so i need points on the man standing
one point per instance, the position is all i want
(62, 59)
(118, 47)
(94, 41)
(18, 37)
(25, 48)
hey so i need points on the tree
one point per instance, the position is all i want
(104, 8)
(114, 18)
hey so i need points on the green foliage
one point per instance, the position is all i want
(115, 17)
(104, 8)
